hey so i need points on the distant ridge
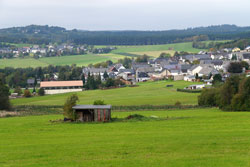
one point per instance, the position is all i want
(38, 34)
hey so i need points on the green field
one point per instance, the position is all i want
(154, 54)
(21, 63)
(190, 138)
(187, 47)
(84, 60)
(154, 93)
(80, 60)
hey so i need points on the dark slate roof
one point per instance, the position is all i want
(171, 66)
(214, 62)
(30, 81)
(82, 107)
(186, 66)
(142, 75)
(159, 60)
(199, 57)
(246, 56)
(127, 70)
(146, 69)
(95, 70)
(140, 65)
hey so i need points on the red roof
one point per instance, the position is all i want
(60, 83)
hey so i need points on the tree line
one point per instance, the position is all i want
(45, 35)
(233, 95)
(17, 77)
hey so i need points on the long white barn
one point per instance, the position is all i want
(56, 87)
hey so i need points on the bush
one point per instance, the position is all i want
(208, 97)
(27, 93)
(18, 90)
(67, 108)
(99, 102)
(178, 103)
(233, 95)
(41, 92)
(189, 90)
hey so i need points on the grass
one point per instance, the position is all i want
(187, 46)
(204, 137)
(79, 60)
(154, 54)
(154, 93)
(21, 45)
(21, 63)
(84, 60)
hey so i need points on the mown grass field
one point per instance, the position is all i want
(149, 93)
(79, 60)
(21, 63)
(187, 47)
(154, 54)
(115, 55)
(190, 138)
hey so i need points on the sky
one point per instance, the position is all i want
(124, 14)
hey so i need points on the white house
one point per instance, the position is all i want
(189, 78)
(195, 87)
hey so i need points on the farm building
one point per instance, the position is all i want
(56, 87)
(93, 113)
(192, 87)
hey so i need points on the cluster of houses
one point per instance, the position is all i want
(187, 67)
(50, 50)
(177, 68)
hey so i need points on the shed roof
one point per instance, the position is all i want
(82, 107)
(60, 83)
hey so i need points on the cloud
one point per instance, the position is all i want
(123, 14)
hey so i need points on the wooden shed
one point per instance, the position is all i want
(93, 113)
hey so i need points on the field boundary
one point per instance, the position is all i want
(56, 109)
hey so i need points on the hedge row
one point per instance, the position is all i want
(41, 109)
(189, 90)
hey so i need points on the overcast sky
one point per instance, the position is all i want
(124, 14)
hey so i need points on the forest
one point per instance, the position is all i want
(35, 34)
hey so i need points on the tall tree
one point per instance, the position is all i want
(4, 97)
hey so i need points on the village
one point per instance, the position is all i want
(201, 67)
(8, 51)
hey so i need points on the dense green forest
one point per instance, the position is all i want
(241, 43)
(34, 34)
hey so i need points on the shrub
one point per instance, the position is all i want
(189, 90)
(26, 93)
(67, 108)
(178, 103)
(208, 97)
(18, 90)
(99, 102)
(233, 95)
(235, 67)
(41, 92)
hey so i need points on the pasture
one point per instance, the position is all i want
(198, 137)
(22, 63)
(115, 55)
(187, 47)
(154, 93)
(154, 54)
(79, 60)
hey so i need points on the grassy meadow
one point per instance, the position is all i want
(192, 138)
(148, 93)
(80, 60)
(187, 47)
(154, 54)
(84, 60)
